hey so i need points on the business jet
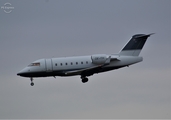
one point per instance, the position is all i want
(87, 65)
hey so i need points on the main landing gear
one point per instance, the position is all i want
(32, 83)
(84, 79)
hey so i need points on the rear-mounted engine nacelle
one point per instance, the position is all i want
(99, 58)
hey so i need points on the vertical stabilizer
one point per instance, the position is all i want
(135, 45)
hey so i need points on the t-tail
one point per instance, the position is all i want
(135, 45)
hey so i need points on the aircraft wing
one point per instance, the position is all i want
(83, 70)
(107, 62)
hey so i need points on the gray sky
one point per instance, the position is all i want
(55, 28)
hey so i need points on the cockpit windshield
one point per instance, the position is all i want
(34, 64)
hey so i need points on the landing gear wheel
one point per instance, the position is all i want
(32, 84)
(84, 80)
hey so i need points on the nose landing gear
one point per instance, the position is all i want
(32, 83)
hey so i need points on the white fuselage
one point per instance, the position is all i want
(87, 65)
(58, 66)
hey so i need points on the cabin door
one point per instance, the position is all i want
(49, 65)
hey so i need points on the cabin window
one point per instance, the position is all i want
(76, 63)
(66, 64)
(86, 62)
(71, 63)
(56, 64)
(81, 62)
(61, 64)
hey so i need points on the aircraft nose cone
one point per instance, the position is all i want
(19, 74)
(23, 72)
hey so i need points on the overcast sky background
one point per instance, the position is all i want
(38, 29)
